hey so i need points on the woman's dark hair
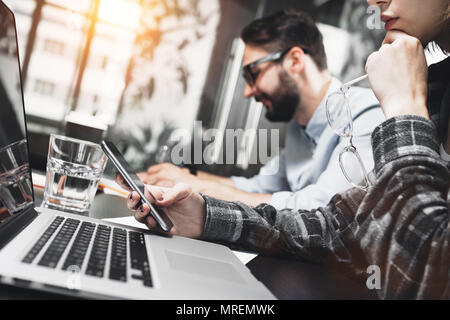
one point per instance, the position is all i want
(286, 29)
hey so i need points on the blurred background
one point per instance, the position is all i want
(145, 68)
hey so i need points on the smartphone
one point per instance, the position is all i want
(135, 183)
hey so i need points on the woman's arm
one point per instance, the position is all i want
(403, 222)
(314, 235)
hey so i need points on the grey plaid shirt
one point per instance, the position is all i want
(401, 224)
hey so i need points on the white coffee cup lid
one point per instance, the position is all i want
(86, 120)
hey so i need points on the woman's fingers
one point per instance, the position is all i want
(153, 194)
(141, 213)
(150, 222)
(178, 193)
(121, 182)
(369, 62)
(158, 196)
(133, 201)
(181, 191)
(392, 36)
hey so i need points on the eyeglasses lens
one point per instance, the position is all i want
(338, 114)
(353, 167)
(248, 77)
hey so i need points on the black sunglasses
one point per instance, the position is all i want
(250, 76)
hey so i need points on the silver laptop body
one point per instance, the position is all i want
(59, 252)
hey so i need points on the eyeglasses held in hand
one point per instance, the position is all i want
(340, 119)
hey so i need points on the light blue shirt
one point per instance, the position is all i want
(309, 174)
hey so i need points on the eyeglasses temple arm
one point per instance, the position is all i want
(350, 83)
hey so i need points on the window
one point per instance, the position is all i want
(23, 10)
(100, 57)
(54, 46)
(99, 62)
(48, 82)
(94, 41)
(44, 88)
(104, 62)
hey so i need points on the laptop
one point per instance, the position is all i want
(83, 257)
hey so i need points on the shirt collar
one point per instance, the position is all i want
(318, 121)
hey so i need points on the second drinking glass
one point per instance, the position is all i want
(74, 169)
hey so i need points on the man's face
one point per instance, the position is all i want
(273, 86)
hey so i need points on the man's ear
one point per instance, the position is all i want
(295, 61)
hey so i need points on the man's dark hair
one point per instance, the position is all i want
(286, 29)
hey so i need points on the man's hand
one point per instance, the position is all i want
(167, 175)
(186, 209)
(398, 75)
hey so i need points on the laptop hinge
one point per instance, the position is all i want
(13, 226)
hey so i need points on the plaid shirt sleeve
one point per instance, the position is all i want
(307, 235)
(403, 222)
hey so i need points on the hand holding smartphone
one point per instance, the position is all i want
(135, 183)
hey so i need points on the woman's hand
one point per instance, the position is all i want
(398, 74)
(186, 209)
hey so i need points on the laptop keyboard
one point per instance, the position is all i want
(115, 241)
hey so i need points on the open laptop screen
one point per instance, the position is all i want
(15, 183)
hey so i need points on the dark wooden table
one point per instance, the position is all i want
(295, 280)
(286, 279)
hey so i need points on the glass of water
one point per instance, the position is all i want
(74, 169)
(16, 190)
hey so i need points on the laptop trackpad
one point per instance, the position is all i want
(203, 267)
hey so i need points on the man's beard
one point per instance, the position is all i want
(285, 100)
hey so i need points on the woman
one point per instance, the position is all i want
(401, 224)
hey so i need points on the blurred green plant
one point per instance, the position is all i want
(154, 32)
(141, 150)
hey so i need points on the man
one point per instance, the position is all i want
(285, 68)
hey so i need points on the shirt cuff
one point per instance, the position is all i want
(245, 184)
(404, 136)
(280, 200)
(239, 182)
(223, 220)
